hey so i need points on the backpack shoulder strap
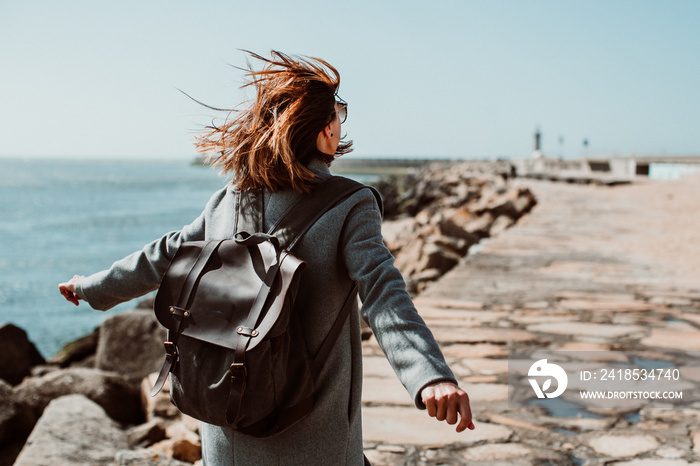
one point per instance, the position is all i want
(302, 215)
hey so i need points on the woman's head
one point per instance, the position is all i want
(294, 118)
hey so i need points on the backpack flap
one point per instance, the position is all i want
(233, 279)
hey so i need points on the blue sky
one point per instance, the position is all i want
(435, 79)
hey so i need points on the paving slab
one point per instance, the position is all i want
(673, 339)
(623, 446)
(409, 426)
(585, 328)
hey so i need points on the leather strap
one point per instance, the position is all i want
(301, 216)
(245, 333)
(196, 270)
(171, 354)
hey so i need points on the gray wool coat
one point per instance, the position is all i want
(343, 247)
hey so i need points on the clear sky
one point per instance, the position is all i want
(85, 78)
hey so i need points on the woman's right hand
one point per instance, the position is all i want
(67, 289)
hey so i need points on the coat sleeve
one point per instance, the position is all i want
(386, 305)
(140, 272)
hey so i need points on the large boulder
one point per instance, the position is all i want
(73, 430)
(131, 344)
(19, 354)
(111, 391)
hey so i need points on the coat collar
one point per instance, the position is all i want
(319, 167)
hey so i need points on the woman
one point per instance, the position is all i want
(283, 144)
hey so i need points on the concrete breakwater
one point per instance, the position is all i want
(435, 215)
(605, 275)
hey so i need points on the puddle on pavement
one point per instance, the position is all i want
(557, 407)
(644, 363)
(633, 417)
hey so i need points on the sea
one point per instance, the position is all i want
(60, 218)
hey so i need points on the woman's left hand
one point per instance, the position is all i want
(67, 289)
(444, 400)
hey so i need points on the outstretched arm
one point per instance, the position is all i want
(402, 334)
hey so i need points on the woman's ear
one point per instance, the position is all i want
(324, 140)
(328, 130)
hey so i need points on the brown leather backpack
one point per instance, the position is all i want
(236, 349)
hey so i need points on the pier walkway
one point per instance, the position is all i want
(591, 268)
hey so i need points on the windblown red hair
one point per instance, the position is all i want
(269, 144)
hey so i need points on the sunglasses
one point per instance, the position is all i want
(342, 110)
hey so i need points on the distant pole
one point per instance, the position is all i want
(537, 153)
(561, 146)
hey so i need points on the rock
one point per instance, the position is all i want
(428, 275)
(109, 390)
(158, 406)
(180, 449)
(396, 232)
(407, 260)
(10, 451)
(501, 205)
(454, 225)
(73, 430)
(501, 224)
(459, 246)
(131, 344)
(19, 354)
(76, 350)
(16, 418)
(146, 434)
(524, 202)
(42, 370)
(179, 430)
(142, 457)
(436, 256)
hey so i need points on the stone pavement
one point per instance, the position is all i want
(589, 269)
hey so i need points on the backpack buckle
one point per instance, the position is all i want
(238, 371)
(170, 348)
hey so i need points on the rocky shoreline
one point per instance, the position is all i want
(89, 403)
